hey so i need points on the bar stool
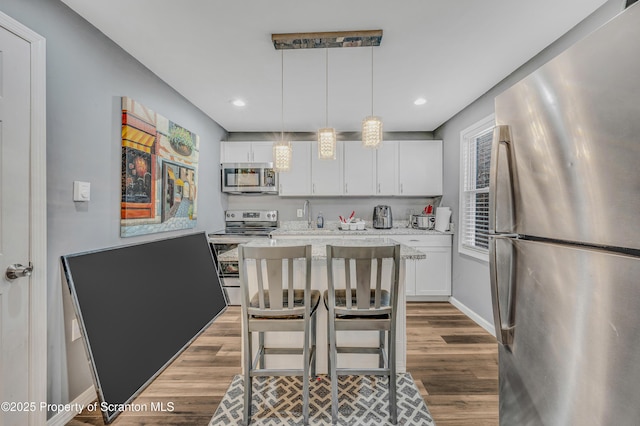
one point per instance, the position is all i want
(369, 307)
(279, 305)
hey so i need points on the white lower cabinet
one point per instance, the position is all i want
(428, 279)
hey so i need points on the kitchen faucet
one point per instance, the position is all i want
(307, 212)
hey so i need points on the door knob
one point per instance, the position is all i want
(18, 271)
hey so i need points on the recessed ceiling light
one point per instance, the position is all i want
(420, 101)
(238, 102)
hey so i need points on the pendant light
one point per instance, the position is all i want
(282, 151)
(327, 135)
(372, 125)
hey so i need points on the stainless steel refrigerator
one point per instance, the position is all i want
(565, 244)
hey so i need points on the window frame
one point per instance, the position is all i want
(466, 136)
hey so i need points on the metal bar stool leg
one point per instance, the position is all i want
(248, 394)
(391, 351)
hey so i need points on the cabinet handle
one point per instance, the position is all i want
(401, 188)
(378, 188)
(248, 156)
(280, 187)
(313, 189)
(346, 188)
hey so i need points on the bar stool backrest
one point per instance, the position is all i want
(270, 263)
(368, 291)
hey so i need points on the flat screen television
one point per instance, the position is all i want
(139, 306)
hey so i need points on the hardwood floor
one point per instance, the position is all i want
(453, 361)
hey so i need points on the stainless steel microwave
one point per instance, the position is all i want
(243, 178)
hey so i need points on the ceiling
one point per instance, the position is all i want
(448, 52)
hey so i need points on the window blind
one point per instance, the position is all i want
(475, 197)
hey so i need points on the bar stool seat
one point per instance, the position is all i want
(298, 300)
(341, 302)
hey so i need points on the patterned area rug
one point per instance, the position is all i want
(363, 402)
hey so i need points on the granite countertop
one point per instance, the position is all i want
(332, 228)
(319, 246)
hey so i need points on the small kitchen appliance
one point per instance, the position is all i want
(382, 218)
(248, 178)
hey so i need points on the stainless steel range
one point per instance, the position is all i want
(241, 226)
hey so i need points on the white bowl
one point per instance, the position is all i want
(360, 225)
(344, 226)
(353, 226)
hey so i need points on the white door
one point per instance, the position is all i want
(386, 168)
(420, 167)
(236, 152)
(18, 367)
(359, 169)
(327, 175)
(262, 152)
(297, 181)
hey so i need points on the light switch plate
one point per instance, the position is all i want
(81, 191)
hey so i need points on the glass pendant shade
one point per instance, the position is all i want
(371, 132)
(327, 143)
(282, 153)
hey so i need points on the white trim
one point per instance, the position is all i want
(475, 317)
(465, 135)
(63, 417)
(38, 218)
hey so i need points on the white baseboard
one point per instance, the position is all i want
(475, 317)
(64, 417)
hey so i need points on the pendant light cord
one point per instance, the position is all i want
(372, 81)
(282, 94)
(326, 84)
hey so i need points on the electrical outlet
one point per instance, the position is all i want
(75, 330)
(299, 212)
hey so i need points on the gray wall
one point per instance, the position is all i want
(86, 76)
(470, 278)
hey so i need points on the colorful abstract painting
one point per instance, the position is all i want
(159, 173)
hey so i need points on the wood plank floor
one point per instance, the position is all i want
(453, 361)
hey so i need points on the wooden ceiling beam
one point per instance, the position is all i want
(327, 39)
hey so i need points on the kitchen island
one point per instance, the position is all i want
(319, 282)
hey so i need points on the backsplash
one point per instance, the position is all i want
(332, 207)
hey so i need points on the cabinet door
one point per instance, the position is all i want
(235, 152)
(297, 181)
(262, 152)
(359, 169)
(410, 277)
(433, 274)
(387, 168)
(420, 167)
(326, 175)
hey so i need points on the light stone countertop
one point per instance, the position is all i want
(318, 246)
(332, 228)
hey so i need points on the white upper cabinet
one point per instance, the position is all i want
(297, 181)
(359, 169)
(387, 169)
(327, 175)
(420, 168)
(246, 152)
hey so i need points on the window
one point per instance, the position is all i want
(475, 157)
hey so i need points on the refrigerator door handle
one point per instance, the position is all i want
(501, 264)
(501, 182)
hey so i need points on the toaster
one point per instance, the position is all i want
(382, 218)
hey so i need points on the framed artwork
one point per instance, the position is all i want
(159, 172)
